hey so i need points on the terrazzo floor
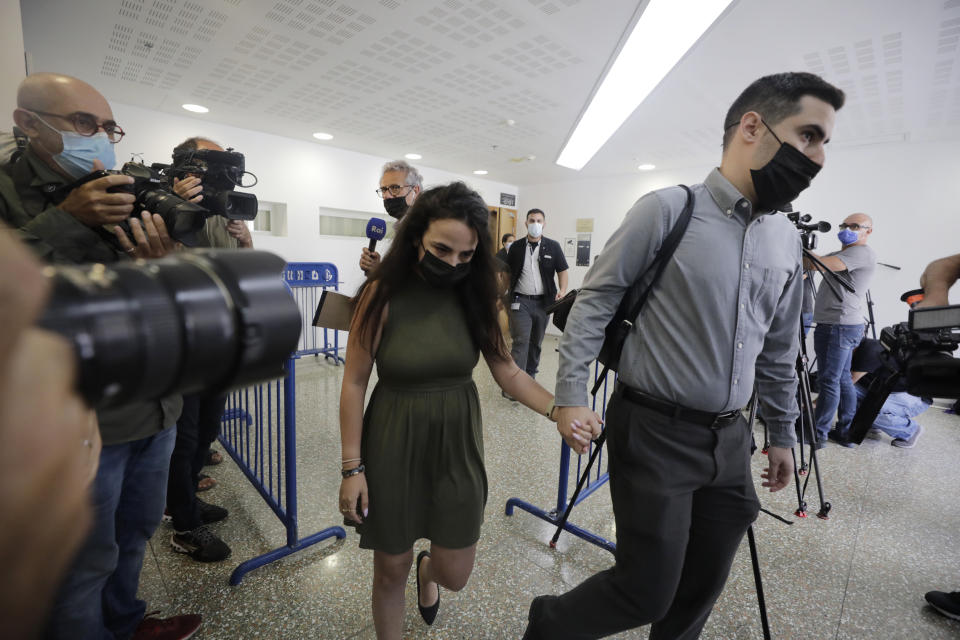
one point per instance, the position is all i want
(892, 535)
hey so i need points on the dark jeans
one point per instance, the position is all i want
(527, 326)
(98, 599)
(683, 498)
(197, 428)
(834, 345)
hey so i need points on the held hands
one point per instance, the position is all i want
(155, 243)
(369, 259)
(578, 426)
(92, 204)
(778, 474)
(352, 491)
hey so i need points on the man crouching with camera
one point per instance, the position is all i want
(723, 316)
(70, 133)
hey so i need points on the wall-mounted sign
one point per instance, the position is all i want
(508, 200)
(584, 225)
(583, 249)
(569, 247)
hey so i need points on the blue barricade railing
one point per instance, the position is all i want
(598, 476)
(258, 428)
(308, 281)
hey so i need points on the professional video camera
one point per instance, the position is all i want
(221, 172)
(200, 320)
(917, 354)
(807, 230)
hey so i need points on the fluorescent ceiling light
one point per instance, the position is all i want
(319, 135)
(665, 32)
(647, 167)
(413, 156)
(196, 108)
(481, 172)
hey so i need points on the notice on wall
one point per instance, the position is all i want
(569, 247)
(583, 248)
(508, 200)
(584, 225)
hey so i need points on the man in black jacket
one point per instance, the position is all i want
(533, 261)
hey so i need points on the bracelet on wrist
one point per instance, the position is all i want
(549, 411)
(346, 473)
(349, 460)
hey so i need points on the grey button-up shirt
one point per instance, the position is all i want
(725, 313)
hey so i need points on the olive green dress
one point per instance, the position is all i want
(422, 433)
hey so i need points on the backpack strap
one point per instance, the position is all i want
(667, 249)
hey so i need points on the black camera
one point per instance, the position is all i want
(807, 235)
(917, 356)
(221, 172)
(152, 192)
(208, 319)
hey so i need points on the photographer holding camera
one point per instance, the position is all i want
(840, 326)
(723, 317)
(71, 132)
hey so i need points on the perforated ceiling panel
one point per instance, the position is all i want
(495, 82)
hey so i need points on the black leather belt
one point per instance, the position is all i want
(523, 295)
(677, 412)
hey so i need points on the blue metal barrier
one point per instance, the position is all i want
(598, 476)
(308, 280)
(258, 428)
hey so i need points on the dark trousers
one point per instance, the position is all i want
(683, 498)
(98, 597)
(197, 428)
(527, 326)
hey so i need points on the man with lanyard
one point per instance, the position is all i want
(533, 261)
(722, 318)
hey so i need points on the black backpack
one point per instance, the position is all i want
(622, 322)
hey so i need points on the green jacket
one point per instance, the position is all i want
(29, 194)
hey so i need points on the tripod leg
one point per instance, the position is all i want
(759, 582)
(801, 511)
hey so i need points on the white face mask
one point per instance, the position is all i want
(535, 229)
(507, 246)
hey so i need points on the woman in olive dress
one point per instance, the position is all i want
(413, 462)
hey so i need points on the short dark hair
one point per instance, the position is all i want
(777, 96)
(540, 211)
(505, 236)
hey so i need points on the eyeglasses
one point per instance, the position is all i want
(853, 226)
(395, 190)
(86, 124)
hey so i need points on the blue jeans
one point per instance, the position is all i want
(98, 599)
(896, 415)
(834, 345)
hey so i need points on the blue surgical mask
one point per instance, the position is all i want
(848, 237)
(79, 151)
(535, 229)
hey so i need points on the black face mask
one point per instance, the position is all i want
(782, 179)
(439, 273)
(395, 207)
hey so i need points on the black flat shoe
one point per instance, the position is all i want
(429, 614)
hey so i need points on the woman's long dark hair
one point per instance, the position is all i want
(477, 292)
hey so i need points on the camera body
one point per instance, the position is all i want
(807, 235)
(918, 352)
(221, 172)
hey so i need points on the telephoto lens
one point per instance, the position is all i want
(199, 320)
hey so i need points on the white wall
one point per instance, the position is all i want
(305, 175)
(12, 69)
(912, 191)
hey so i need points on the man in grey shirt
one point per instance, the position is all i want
(839, 317)
(724, 317)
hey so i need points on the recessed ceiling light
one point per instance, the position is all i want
(481, 172)
(647, 167)
(196, 108)
(664, 32)
(319, 135)
(413, 156)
